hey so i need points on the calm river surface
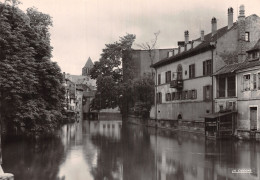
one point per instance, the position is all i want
(104, 150)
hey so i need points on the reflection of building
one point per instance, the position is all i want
(190, 156)
(110, 129)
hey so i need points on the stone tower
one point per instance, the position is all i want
(88, 66)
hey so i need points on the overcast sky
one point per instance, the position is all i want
(81, 28)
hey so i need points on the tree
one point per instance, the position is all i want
(31, 88)
(108, 73)
(150, 47)
(143, 95)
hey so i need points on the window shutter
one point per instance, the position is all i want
(190, 94)
(210, 93)
(204, 93)
(170, 77)
(194, 74)
(195, 96)
(204, 67)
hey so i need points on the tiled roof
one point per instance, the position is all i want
(89, 63)
(202, 47)
(249, 64)
(237, 66)
(256, 46)
(230, 68)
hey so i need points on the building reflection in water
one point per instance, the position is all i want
(196, 158)
(88, 154)
(99, 150)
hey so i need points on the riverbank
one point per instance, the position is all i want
(189, 126)
(182, 125)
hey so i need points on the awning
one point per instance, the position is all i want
(214, 115)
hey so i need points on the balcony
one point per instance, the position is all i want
(178, 84)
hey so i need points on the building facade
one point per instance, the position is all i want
(141, 60)
(185, 86)
(80, 91)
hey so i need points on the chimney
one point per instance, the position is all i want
(213, 26)
(230, 17)
(186, 36)
(241, 34)
(202, 35)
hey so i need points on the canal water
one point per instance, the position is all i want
(106, 150)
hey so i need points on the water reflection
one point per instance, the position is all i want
(109, 150)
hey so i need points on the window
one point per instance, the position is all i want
(168, 97)
(178, 95)
(231, 86)
(170, 53)
(185, 95)
(247, 37)
(159, 79)
(168, 76)
(179, 71)
(173, 96)
(207, 93)
(193, 94)
(207, 68)
(221, 87)
(159, 98)
(246, 82)
(254, 81)
(192, 71)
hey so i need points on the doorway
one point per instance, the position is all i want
(253, 118)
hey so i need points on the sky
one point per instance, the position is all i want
(81, 28)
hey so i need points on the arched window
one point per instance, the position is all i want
(179, 71)
(179, 117)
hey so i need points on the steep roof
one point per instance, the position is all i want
(256, 46)
(202, 47)
(89, 63)
(237, 66)
(230, 68)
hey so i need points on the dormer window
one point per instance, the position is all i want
(170, 53)
(247, 39)
(253, 55)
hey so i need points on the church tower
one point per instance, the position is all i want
(88, 66)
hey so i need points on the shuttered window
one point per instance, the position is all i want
(168, 97)
(207, 93)
(192, 71)
(173, 96)
(168, 76)
(193, 94)
(258, 80)
(246, 82)
(207, 68)
(254, 81)
(159, 79)
(159, 98)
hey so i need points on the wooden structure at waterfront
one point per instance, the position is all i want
(220, 125)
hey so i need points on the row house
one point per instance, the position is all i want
(192, 84)
(238, 89)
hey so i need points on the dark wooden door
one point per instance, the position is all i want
(253, 118)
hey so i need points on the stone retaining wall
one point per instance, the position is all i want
(183, 125)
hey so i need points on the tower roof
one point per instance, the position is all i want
(89, 63)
